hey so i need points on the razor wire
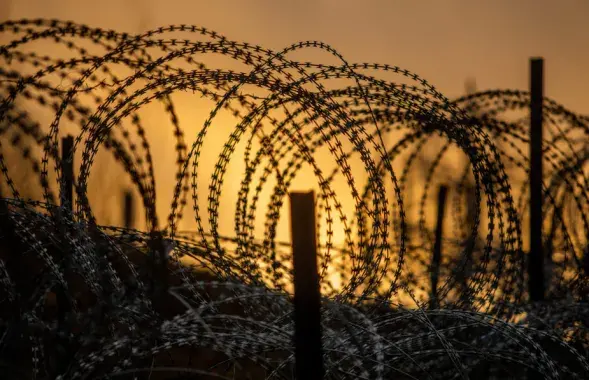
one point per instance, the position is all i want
(235, 320)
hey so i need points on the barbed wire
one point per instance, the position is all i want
(234, 321)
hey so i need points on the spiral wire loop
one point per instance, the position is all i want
(235, 320)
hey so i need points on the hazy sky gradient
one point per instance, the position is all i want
(442, 41)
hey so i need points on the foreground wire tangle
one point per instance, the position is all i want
(234, 321)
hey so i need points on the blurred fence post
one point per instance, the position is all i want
(586, 259)
(437, 253)
(63, 349)
(536, 254)
(158, 258)
(128, 211)
(307, 293)
(10, 244)
(471, 241)
(67, 146)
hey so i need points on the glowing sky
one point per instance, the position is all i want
(443, 41)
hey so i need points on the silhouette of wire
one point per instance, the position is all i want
(236, 322)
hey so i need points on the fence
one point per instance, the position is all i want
(360, 331)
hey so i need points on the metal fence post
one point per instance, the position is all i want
(128, 211)
(307, 296)
(536, 255)
(437, 253)
(67, 146)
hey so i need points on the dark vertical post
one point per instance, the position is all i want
(67, 146)
(470, 87)
(307, 296)
(536, 257)
(472, 206)
(437, 253)
(159, 268)
(63, 347)
(586, 259)
(128, 211)
(471, 241)
(9, 242)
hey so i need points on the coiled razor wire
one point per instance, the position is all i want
(234, 320)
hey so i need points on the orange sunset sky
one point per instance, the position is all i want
(444, 41)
